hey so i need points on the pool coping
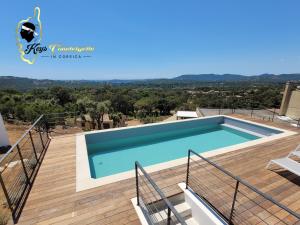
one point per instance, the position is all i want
(83, 175)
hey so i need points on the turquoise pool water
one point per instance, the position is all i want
(111, 156)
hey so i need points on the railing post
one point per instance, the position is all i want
(137, 184)
(41, 138)
(22, 161)
(47, 126)
(274, 111)
(7, 197)
(33, 147)
(233, 202)
(169, 216)
(188, 170)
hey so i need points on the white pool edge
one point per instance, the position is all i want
(83, 175)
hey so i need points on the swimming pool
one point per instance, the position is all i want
(114, 156)
(112, 153)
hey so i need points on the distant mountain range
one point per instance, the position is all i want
(239, 78)
(20, 83)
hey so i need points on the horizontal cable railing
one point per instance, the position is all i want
(153, 202)
(65, 123)
(19, 165)
(248, 106)
(232, 198)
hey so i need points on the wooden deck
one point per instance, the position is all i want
(53, 199)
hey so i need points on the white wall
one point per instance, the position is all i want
(201, 213)
(3, 133)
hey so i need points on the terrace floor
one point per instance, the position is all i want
(53, 199)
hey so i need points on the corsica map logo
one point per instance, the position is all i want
(29, 37)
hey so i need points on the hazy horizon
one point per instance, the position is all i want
(142, 78)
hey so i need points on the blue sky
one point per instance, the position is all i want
(158, 38)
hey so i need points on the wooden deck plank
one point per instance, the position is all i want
(53, 199)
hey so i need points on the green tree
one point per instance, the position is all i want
(62, 95)
(145, 106)
(102, 108)
(121, 103)
(116, 117)
(90, 107)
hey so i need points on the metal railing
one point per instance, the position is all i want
(148, 197)
(233, 198)
(19, 166)
(271, 114)
(64, 123)
(249, 107)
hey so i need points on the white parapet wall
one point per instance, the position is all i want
(3, 133)
(201, 212)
